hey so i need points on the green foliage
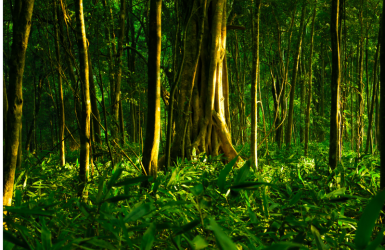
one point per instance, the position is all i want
(294, 203)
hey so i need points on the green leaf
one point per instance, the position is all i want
(189, 226)
(318, 239)
(26, 211)
(224, 173)
(336, 192)
(197, 190)
(131, 181)
(173, 177)
(243, 173)
(101, 243)
(100, 190)
(250, 185)
(115, 176)
(377, 241)
(223, 241)
(139, 212)
(148, 238)
(368, 219)
(10, 238)
(45, 235)
(118, 198)
(283, 246)
(296, 198)
(199, 242)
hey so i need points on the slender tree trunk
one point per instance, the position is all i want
(307, 121)
(94, 104)
(151, 146)
(61, 99)
(116, 94)
(22, 15)
(322, 95)
(86, 104)
(289, 127)
(382, 98)
(35, 114)
(374, 94)
(335, 87)
(254, 86)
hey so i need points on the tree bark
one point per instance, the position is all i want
(289, 127)
(307, 121)
(382, 107)
(61, 99)
(335, 87)
(36, 112)
(22, 20)
(151, 145)
(86, 104)
(254, 86)
(116, 94)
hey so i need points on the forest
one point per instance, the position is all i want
(193, 124)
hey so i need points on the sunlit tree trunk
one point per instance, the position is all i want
(22, 20)
(151, 145)
(335, 87)
(86, 103)
(254, 86)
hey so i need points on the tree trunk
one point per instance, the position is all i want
(374, 94)
(94, 104)
(35, 114)
(61, 99)
(254, 86)
(382, 98)
(86, 104)
(307, 121)
(151, 145)
(116, 94)
(335, 87)
(289, 127)
(22, 15)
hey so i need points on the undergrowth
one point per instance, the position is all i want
(290, 202)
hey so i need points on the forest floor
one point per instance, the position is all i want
(293, 202)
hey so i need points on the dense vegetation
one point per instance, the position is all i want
(201, 124)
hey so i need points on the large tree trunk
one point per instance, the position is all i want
(289, 127)
(22, 20)
(86, 104)
(151, 145)
(335, 87)
(254, 86)
(307, 121)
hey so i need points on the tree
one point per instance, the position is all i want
(254, 86)
(307, 121)
(382, 98)
(151, 145)
(289, 127)
(22, 20)
(335, 86)
(85, 93)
